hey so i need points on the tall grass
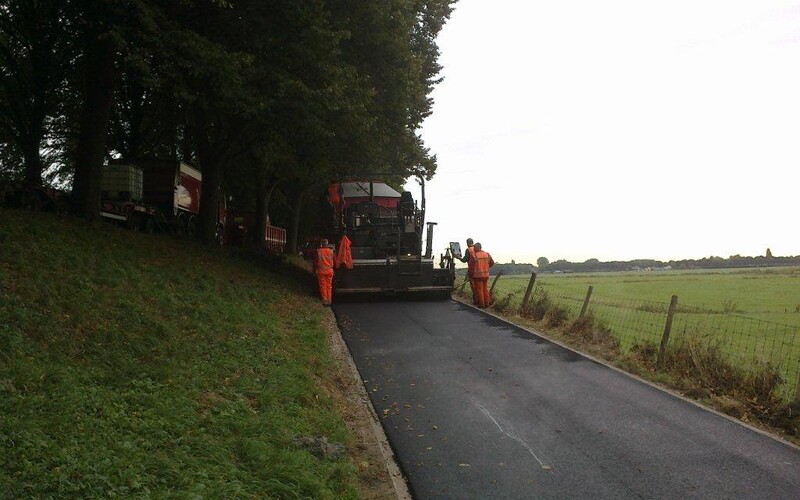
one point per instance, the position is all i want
(139, 365)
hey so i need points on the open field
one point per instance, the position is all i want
(770, 294)
(752, 315)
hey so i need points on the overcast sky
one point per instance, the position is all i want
(618, 129)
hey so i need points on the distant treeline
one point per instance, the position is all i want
(594, 265)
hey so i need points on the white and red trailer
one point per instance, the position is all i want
(154, 194)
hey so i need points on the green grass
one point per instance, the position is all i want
(771, 294)
(137, 365)
(751, 315)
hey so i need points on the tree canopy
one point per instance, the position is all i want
(269, 99)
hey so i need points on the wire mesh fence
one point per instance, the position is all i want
(746, 342)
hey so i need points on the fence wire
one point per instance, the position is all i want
(747, 342)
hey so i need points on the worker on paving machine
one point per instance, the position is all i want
(483, 261)
(323, 268)
(469, 258)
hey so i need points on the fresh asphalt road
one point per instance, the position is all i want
(476, 408)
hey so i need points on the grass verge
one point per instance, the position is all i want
(138, 365)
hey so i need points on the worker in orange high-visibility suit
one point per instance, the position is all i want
(469, 258)
(323, 268)
(483, 261)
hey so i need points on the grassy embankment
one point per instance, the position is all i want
(746, 367)
(143, 365)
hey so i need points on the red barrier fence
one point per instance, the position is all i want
(276, 239)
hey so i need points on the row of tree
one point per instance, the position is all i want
(265, 97)
(713, 262)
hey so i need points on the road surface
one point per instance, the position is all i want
(477, 408)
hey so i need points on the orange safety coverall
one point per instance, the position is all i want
(470, 269)
(483, 261)
(323, 268)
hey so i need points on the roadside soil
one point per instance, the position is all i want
(379, 477)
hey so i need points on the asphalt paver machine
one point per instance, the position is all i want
(384, 232)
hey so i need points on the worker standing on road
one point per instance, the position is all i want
(469, 258)
(483, 261)
(323, 268)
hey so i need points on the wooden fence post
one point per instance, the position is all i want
(528, 292)
(494, 282)
(586, 301)
(673, 304)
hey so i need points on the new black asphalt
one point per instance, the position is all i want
(476, 408)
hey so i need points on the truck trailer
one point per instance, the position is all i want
(384, 241)
(238, 233)
(156, 195)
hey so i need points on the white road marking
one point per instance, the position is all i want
(512, 435)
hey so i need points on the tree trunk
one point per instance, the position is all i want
(263, 197)
(172, 147)
(33, 161)
(257, 229)
(95, 114)
(298, 206)
(209, 201)
(211, 167)
(31, 139)
(186, 146)
(135, 142)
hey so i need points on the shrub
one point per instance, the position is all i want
(503, 304)
(701, 362)
(788, 417)
(537, 306)
(644, 353)
(589, 329)
(555, 317)
(463, 291)
(581, 327)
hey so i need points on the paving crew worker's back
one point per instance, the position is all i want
(323, 268)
